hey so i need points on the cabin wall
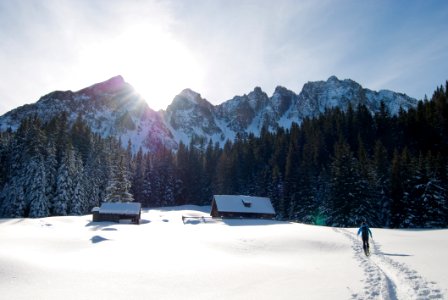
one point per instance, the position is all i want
(235, 215)
(214, 213)
(99, 217)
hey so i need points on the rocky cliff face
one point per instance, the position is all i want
(113, 108)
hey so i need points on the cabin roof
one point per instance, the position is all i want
(120, 208)
(244, 204)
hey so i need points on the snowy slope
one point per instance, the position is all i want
(170, 257)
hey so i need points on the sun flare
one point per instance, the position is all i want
(151, 60)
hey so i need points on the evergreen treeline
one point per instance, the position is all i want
(56, 169)
(337, 169)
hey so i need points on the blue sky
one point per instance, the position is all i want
(219, 48)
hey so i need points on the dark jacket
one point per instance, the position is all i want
(365, 231)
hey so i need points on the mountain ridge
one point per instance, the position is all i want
(114, 108)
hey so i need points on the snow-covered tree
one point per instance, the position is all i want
(13, 199)
(96, 173)
(36, 196)
(164, 185)
(148, 178)
(64, 185)
(138, 177)
(78, 203)
(119, 186)
(350, 200)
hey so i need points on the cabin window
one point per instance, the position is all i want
(246, 203)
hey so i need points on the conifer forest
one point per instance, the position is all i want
(337, 169)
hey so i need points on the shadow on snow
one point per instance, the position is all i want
(98, 239)
(394, 254)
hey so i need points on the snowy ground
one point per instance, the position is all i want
(169, 258)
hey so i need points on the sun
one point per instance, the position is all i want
(150, 59)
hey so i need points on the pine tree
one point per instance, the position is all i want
(34, 173)
(138, 177)
(304, 198)
(119, 185)
(96, 174)
(402, 172)
(277, 194)
(37, 196)
(78, 204)
(164, 184)
(209, 165)
(13, 202)
(80, 136)
(184, 172)
(13, 199)
(292, 164)
(349, 201)
(5, 154)
(426, 200)
(434, 198)
(51, 166)
(225, 181)
(396, 192)
(64, 184)
(381, 183)
(148, 189)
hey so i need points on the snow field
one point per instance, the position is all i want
(196, 257)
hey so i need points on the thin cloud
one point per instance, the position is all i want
(237, 45)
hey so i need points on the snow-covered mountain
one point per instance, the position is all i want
(114, 108)
(110, 108)
(192, 116)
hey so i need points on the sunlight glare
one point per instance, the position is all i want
(148, 58)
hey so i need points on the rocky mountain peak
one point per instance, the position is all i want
(189, 115)
(258, 98)
(281, 90)
(187, 99)
(111, 85)
(282, 99)
(333, 78)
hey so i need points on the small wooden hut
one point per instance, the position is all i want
(117, 212)
(238, 206)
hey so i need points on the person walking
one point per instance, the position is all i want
(364, 231)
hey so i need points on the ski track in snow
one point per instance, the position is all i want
(386, 278)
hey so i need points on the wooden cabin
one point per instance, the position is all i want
(117, 212)
(238, 206)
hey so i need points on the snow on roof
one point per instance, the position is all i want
(120, 208)
(244, 204)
